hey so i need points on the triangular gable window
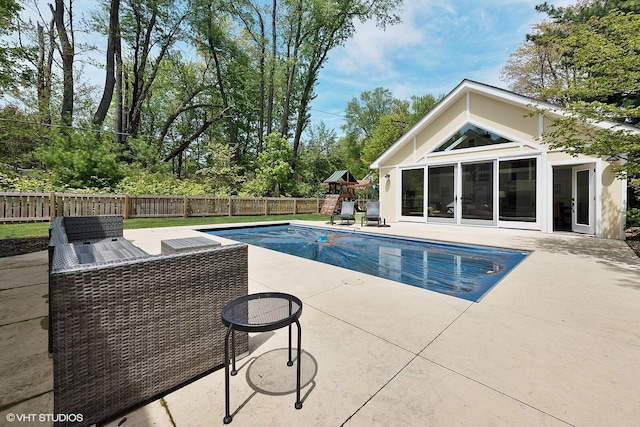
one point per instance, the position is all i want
(471, 136)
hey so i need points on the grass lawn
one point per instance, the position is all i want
(40, 229)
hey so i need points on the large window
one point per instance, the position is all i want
(471, 136)
(413, 192)
(517, 190)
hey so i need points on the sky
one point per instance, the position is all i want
(438, 44)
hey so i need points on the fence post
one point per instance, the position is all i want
(295, 206)
(266, 207)
(230, 208)
(52, 206)
(125, 214)
(185, 212)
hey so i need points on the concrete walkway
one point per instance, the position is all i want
(557, 342)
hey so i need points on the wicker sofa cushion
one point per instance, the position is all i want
(93, 227)
(106, 250)
(76, 242)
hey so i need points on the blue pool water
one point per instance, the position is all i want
(462, 271)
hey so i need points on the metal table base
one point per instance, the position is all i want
(260, 313)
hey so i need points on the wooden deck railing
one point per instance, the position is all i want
(29, 207)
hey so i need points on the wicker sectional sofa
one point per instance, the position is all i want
(126, 327)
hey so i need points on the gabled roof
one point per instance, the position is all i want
(461, 90)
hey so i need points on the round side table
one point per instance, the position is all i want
(260, 312)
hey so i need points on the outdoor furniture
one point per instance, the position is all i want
(126, 326)
(260, 313)
(346, 213)
(372, 214)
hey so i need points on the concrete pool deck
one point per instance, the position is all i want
(556, 342)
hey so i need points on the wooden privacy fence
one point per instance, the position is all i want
(26, 207)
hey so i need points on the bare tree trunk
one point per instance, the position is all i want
(293, 60)
(110, 79)
(144, 72)
(188, 140)
(274, 40)
(67, 53)
(120, 93)
(43, 67)
(233, 142)
(263, 53)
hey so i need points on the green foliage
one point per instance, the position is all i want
(390, 128)
(82, 159)
(221, 175)
(12, 72)
(10, 182)
(144, 155)
(633, 217)
(605, 50)
(267, 79)
(19, 138)
(362, 115)
(374, 122)
(318, 160)
(143, 182)
(273, 171)
(421, 105)
(606, 88)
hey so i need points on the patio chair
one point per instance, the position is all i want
(372, 214)
(346, 213)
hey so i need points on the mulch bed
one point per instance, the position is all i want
(633, 239)
(11, 247)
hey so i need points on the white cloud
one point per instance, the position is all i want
(438, 44)
(371, 47)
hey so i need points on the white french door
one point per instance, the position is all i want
(583, 199)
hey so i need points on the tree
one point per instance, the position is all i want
(421, 105)
(542, 67)
(67, 52)
(538, 68)
(10, 55)
(82, 159)
(273, 171)
(112, 54)
(606, 88)
(150, 30)
(584, 10)
(331, 24)
(318, 160)
(362, 115)
(390, 128)
(585, 59)
(302, 35)
(19, 138)
(221, 174)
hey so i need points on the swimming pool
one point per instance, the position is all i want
(462, 271)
